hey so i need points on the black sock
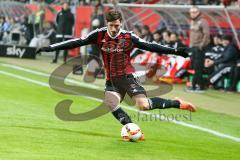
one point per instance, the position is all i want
(161, 103)
(121, 116)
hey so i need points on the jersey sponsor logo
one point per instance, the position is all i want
(15, 51)
(114, 47)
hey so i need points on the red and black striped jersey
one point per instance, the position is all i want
(115, 50)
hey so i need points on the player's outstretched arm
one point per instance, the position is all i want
(154, 47)
(72, 43)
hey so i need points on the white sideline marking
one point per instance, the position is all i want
(213, 132)
(24, 78)
(48, 75)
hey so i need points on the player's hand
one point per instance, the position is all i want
(182, 51)
(44, 49)
(208, 63)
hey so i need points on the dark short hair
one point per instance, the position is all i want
(217, 35)
(113, 15)
(227, 37)
(168, 32)
(146, 27)
(158, 32)
(137, 27)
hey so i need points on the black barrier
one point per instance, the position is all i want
(17, 51)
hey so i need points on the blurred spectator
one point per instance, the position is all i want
(214, 52)
(39, 17)
(28, 28)
(1, 27)
(11, 31)
(215, 49)
(14, 24)
(6, 29)
(199, 39)
(234, 77)
(97, 21)
(146, 33)
(166, 38)
(65, 23)
(157, 36)
(136, 51)
(6, 25)
(227, 61)
(137, 30)
(175, 42)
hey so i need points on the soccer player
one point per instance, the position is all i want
(116, 45)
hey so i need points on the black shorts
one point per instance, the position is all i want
(125, 84)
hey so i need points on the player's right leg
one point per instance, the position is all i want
(112, 100)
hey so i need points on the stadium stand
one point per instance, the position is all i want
(164, 15)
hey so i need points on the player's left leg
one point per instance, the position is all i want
(144, 103)
(138, 94)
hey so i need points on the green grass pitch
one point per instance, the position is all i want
(30, 130)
